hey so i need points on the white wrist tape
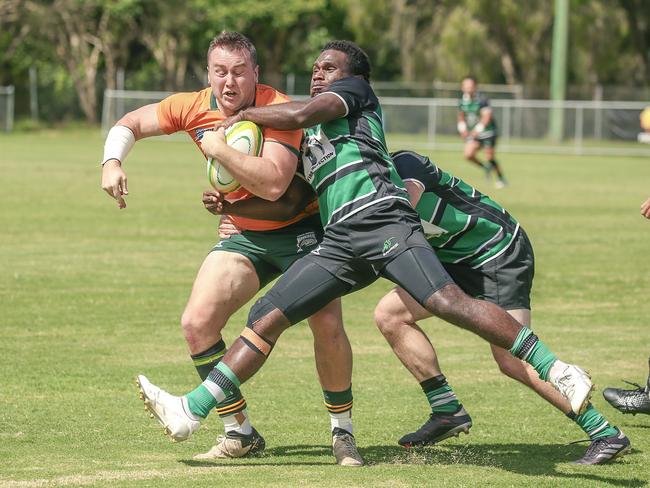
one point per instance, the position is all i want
(461, 126)
(119, 141)
(479, 127)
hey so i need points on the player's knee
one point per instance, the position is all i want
(266, 319)
(444, 301)
(195, 322)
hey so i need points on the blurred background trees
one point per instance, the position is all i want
(80, 47)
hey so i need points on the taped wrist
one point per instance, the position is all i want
(479, 127)
(461, 126)
(119, 141)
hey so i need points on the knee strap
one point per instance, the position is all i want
(256, 342)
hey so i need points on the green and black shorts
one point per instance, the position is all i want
(506, 280)
(272, 251)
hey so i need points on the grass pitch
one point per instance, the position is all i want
(91, 296)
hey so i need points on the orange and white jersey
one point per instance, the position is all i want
(197, 112)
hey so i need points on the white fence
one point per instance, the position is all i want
(589, 127)
(6, 108)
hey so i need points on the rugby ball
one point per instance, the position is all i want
(244, 136)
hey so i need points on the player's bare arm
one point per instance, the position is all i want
(288, 205)
(132, 127)
(461, 124)
(267, 176)
(645, 209)
(294, 115)
(415, 191)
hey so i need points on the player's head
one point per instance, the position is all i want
(468, 85)
(232, 71)
(338, 59)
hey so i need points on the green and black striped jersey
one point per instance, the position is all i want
(471, 108)
(346, 160)
(462, 225)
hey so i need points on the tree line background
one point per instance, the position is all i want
(78, 47)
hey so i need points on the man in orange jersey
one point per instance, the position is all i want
(240, 265)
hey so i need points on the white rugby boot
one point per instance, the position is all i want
(573, 383)
(171, 411)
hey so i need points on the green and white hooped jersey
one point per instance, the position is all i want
(346, 160)
(471, 108)
(462, 225)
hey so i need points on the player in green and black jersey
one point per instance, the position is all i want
(489, 256)
(478, 128)
(370, 231)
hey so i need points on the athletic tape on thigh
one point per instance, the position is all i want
(250, 337)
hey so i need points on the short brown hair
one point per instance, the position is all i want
(234, 41)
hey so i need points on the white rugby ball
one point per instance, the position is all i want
(244, 136)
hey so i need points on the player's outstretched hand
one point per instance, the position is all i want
(213, 201)
(114, 181)
(212, 142)
(645, 209)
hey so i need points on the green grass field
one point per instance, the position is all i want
(91, 296)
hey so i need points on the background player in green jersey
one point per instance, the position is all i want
(492, 260)
(478, 129)
(370, 231)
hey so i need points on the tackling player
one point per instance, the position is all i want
(477, 127)
(493, 261)
(238, 267)
(370, 231)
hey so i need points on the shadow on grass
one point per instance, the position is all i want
(276, 456)
(524, 459)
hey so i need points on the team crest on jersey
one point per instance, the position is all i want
(305, 241)
(198, 133)
(317, 150)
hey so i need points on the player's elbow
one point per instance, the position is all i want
(131, 121)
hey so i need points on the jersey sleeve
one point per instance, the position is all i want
(483, 103)
(354, 92)
(175, 110)
(415, 167)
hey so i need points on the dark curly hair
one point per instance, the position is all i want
(234, 41)
(358, 62)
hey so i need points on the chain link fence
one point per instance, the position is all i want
(589, 127)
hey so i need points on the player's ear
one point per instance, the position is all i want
(257, 73)
(207, 69)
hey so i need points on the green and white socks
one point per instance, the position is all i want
(233, 409)
(593, 423)
(529, 348)
(440, 396)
